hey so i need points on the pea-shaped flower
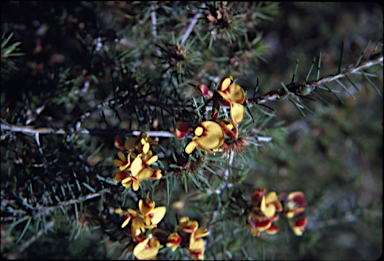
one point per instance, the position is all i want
(147, 249)
(232, 95)
(209, 136)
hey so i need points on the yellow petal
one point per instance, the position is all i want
(145, 173)
(225, 83)
(191, 146)
(130, 143)
(117, 162)
(156, 174)
(136, 185)
(120, 211)
(152, 159)
(225, 96)
(271, 197)
(126, 182)
(126, 222)
(237, 112)
(158, 214)
(269, 210)
(146, 148)
(201, 232)
(138, 222)
(236, 93)
(229, 127)
(146, 207)
(143, 250)
(214, 137)
(125, 166)
(137, 165)
(196, 244)
(262, 204)
(121, 156)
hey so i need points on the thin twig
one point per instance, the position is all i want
(192, 24)
(45, 163)
(226, 174)
(40, 210)
(34, 237)
(154, 29)
(295, 88)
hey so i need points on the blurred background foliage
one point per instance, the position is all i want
(76, 55)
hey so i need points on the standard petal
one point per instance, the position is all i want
(136, 166)
(225, 83)
(157, 214)
(236, 93)
(213, 137)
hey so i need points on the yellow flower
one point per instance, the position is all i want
(128, 215)
(259, 223)
(268, 205)
(147, 216)
(131, 180)
(195, 241)
(147, 249)
(122, 161)
(298, 225)
(264, 212)
(140, 167)
(187, 226)
(142, 143)
(232, 95)
(294, 203)
(174, 240)
(197, 254)
(209, 136)
(151, 215)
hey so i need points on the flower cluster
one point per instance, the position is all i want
(133, 162)
(150, 239)
(191, 235)
(265, 211)
(146, 217)
(210, 135)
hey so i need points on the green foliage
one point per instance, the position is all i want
(75, 75)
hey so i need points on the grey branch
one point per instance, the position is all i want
(187, 32)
